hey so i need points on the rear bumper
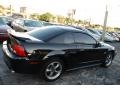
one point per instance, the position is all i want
(3, 37)
(20, 65)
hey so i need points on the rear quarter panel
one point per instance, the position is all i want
(45, 50)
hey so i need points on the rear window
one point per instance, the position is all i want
(31, 23)
(46, 33)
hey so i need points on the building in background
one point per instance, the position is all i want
(23, 11)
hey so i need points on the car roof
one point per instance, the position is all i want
(26, 19)
(66, 28)
(3, 16)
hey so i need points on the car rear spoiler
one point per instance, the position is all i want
(22, 36)
(18, 35)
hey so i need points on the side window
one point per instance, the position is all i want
(84, 38)
(66, 38)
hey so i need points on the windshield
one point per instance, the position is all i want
(31, 23)
(2, 21)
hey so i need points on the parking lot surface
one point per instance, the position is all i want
(93, 75)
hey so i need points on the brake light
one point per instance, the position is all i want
(19, 50)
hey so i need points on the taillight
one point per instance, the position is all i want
(19, 50)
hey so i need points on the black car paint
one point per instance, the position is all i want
(73, 55)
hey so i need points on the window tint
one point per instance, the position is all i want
(31, 23)
(2, 21)
(5, 19)
(45, 33)
(66, 38)
(84, 38)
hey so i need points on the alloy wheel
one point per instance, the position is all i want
(53, 70)
(108, 60)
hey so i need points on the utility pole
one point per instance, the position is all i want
(105, 24)
(11, 10)
(71, 14)
(89, 23)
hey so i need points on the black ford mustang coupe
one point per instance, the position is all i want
(52, 49)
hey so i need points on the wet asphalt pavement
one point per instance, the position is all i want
(93, 75)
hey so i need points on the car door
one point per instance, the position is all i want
(87, 49)
(65, 43)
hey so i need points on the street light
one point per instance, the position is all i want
(10, 7)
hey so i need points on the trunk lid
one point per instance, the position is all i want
(17, 40)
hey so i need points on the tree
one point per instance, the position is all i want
(61, 19)
(67, 20)
(1, 9)
(117, 29)
(80, 22)
(46, 17)
(34, 16)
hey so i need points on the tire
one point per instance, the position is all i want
(53, 69)
(108, 61)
